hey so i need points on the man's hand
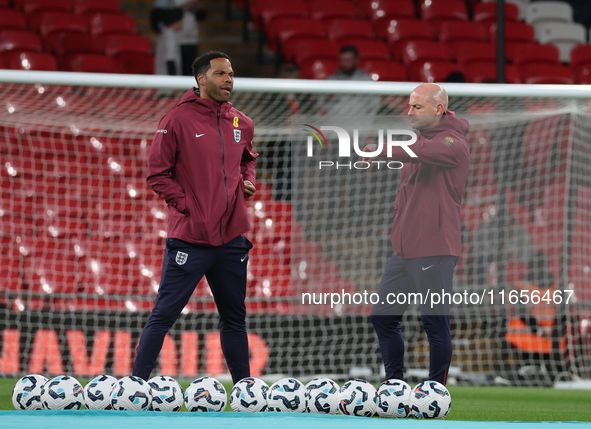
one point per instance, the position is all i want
(249, 189)
(369, 148)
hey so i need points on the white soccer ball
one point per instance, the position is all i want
(358, 398)
(206, 394)
(26, 394)
(131, 393)
(97, 392)
(167, 394)
(322, 396)
(430, 400)
(249, 395)
(287, 395)
(62, 393)
(393, 399)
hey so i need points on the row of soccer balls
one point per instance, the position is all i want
(393, 398)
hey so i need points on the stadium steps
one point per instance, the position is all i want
(215, 33)
(140, 11)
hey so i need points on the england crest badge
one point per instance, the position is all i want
(237, 135)
(181, 258)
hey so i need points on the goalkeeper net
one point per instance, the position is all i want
(83, 236)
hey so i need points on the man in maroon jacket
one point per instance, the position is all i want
(203, 164)
(425, 232)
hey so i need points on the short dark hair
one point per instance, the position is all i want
(202, 63)
(349, 48)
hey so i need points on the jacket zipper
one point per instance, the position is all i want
(405, 205)
(225, 176)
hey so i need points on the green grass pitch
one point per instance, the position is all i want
(469, 403)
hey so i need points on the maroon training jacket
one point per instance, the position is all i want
(427, 209)
(198, 161)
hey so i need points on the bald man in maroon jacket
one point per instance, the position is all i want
(425, 231)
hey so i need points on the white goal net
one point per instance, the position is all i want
(83, 236)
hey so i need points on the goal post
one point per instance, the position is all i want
(83, 236)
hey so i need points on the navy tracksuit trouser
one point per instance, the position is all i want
(402, 277)
(183, 267)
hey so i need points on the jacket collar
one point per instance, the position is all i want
(192, 96)
(449, 122)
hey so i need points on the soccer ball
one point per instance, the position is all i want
(206, 394)
(430, 400)
(358, 398)
(393, 399)
(132, 394)
(26, 394)
(97, 392)
(287, 395)
(249, 395)
(62, 393)
(167, 394)
(322, 396)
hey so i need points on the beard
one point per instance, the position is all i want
(215, 92)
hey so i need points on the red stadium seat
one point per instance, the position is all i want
(539, 54)
(116, 43)
(96, 6)
(278, 10)
(470, 52)
(56, 21)
(318, 69)
(438, 12)
(401, 31)
(382, 28)
(377, 9)
(416, 53)
(583, 74)
(67, 44)
(436, 71)
(18, 60)
(369, 49)
(4, 4)
(547, 74)
(108, 23)
(486, 71)
(52, 227)
(331, 9)
(256, 9)
(385, 70)
(35, 6)
(455, 34)
(384, 10)
(10, 274)
(134, 62)
(19, 40)
(286, 30)
(580, 55)
(419, 50)
(311, 49)
(343, 30)
(487, 12)
(12, 20)
(511, 49)
(15, 224)
(94, 63)
(515, 32)
(50, 276)
(2, 66)
(274, 224)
